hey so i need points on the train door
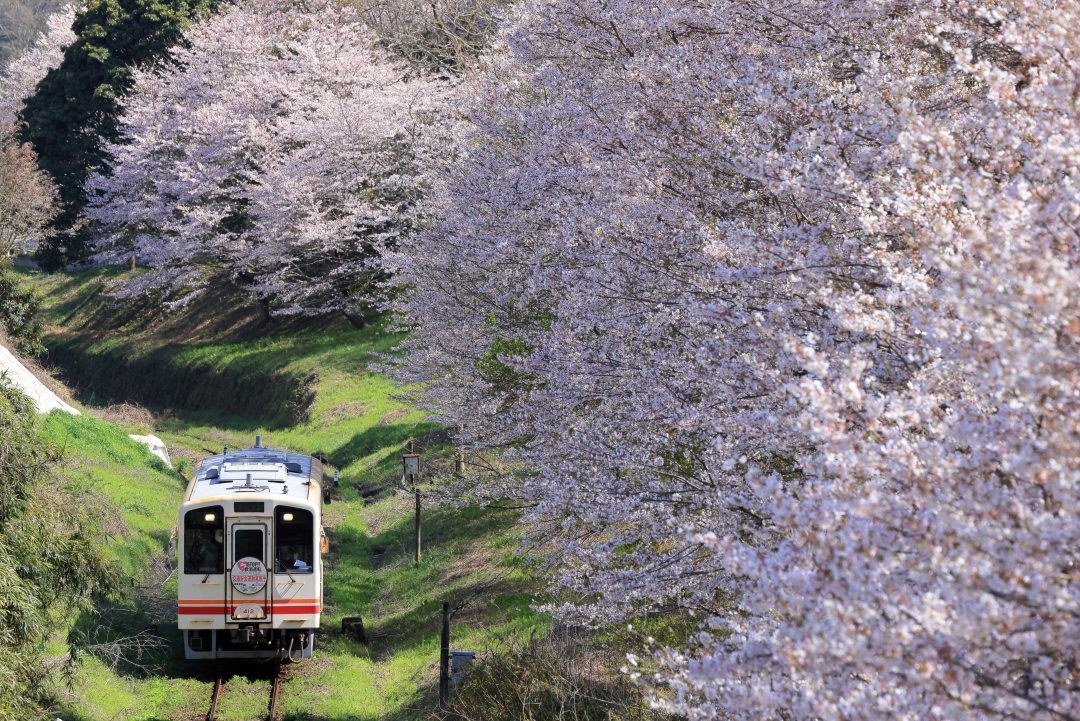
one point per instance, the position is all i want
(249, 587)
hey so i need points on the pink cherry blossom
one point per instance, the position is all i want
(278, 151)
(19, 78)
(770, 311)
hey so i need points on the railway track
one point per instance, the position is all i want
(275, 690)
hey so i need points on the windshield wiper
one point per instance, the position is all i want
(287, 572)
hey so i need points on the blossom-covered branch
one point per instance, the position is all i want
(278, 151)
(774, 305)
(19, 79)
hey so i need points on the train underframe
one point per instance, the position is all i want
(249, 641)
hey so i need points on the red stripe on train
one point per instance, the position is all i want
(276, 602)
(290, 610)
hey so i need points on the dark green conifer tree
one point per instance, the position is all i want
(75, 110)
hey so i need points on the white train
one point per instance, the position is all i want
(250, 544)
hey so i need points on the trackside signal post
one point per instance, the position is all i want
(411, 466)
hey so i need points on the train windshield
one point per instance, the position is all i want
(204, 540)
(249, 543)
(294, 540)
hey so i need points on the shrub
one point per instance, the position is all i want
(561, 676)
(51, 561)
(19, 306)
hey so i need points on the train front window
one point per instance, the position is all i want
(204, 540)
(248, 543)
(294, 540)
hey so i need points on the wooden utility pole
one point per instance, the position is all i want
(444, 657)
(411, 469)
(417, 491)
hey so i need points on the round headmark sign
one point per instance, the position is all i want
(248, 575)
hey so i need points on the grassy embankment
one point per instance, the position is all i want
(213, 375)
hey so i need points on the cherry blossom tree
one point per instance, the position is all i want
(27, 194)
(279, 152)
(771, 310)
(18, 80)
(446, 35)
(27, 197)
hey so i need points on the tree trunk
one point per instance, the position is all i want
(264, 311)
(359, 320)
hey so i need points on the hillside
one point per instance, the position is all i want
(20, 22)
(344, 413)
(757, 324)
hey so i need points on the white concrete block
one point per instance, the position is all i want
(156, 446)
(44, 399)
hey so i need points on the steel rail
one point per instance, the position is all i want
(275, 689)
(275, 692)
(211, 715)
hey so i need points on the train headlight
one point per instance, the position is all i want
(286, 516)
(210, 517)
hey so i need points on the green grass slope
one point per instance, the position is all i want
(216, 354)
(467, 558)
(137, 495)
(139, 490)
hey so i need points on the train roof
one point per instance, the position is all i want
(271, 472)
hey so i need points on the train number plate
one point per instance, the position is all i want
(249, 611)
(248, 575)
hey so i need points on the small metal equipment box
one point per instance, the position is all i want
(459, 664)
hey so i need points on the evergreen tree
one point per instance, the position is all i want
(76, 109)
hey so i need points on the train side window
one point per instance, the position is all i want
(294, 540)
(204, 540)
